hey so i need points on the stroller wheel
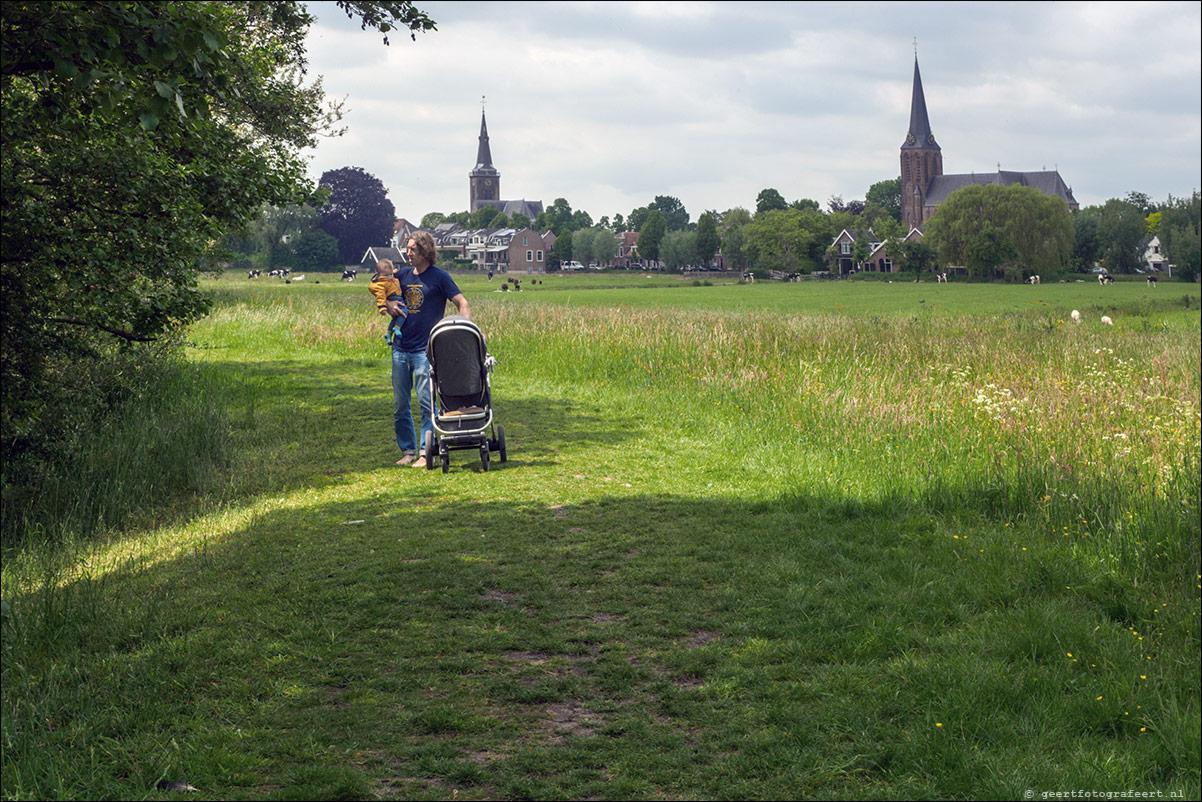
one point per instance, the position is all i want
(501, 441)
(446, 461)
(429, 448)
(484, 456)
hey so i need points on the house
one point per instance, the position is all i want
(843, 248)
(1154, 261)
(375, 254)
(489, 248)
(451, 237)
(628, 248)
(527, 252)
(402, 230)
(879, 260)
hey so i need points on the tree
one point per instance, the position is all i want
(675, 215)
(581, 219)
(770, 200)
(357, 211)
(915, 256)
(1037, 225)
(314, 250)
(582, 245)
(708, 240)
(1085, 238)
(137, 135)
(1121, 227)
(637, 218)
(605, 246)
(1141, 201)
(678, 249)
(733, 239)
(482, 217)
(432, 220)
(1180, 226)
(275, 231)
(557, 217)
(651, 235)
(989, 251)
(887, 195)
(562, 249)
(779, 240)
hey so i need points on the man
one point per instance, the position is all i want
(425, 290)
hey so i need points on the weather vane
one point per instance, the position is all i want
(482, 103)
(915, 47)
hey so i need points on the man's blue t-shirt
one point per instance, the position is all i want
(426, 295)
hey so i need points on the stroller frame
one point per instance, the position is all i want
(461, 390)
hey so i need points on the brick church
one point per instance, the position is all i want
(924, 186)
(484, 183)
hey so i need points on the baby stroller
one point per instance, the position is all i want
(459, 368)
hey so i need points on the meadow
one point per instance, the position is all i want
(776, 541)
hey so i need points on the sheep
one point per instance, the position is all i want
(1106, 321)
(1076, 316)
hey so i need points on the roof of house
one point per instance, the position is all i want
(378, 252)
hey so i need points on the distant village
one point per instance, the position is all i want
(924, 186)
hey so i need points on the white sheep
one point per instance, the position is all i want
(1106, 321)
(1076, 316)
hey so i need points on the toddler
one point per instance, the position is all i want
(385, 287)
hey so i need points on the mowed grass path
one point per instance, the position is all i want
(776, 541)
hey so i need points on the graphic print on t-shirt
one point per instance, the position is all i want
(414, 297)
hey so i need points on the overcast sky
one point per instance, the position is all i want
(609, 104)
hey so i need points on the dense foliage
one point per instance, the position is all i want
(357, 211)
(136, 137)
(1037, 226)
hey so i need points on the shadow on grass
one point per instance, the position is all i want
(409, 645)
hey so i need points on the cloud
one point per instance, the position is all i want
(609, 104)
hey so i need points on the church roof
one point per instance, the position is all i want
(524, 207)
(1048, 182)
(919, 135)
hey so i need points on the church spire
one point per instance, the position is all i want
(919, 135)
(483, 153)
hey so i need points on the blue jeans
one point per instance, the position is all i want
(408, 370)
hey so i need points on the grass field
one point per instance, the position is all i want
(772, 541)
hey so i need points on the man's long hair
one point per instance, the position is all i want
(424, 241)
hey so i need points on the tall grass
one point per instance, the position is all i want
(141, 430)
(1093, 432)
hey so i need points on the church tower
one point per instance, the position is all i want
(921, 157)
(484, 181)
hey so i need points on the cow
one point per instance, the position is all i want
(348, 275)
(749, 278)
(1152, 281)
(254, 274)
